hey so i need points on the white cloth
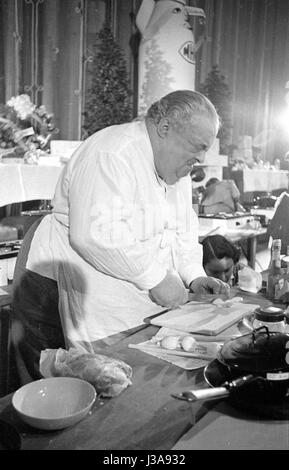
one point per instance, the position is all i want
(115, 230)
(27, 182)
(264, 180)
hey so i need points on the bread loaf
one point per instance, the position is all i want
(109, 376)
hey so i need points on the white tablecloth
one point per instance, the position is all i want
(264, 180)
(19, 183)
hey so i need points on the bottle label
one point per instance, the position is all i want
(278, 288)
(277, 376)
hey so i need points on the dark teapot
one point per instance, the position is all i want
(251, 367)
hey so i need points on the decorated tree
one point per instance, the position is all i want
(217, 90)
(109, 98)
(157, 77)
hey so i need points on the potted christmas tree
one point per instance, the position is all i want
(109, 99)
(217, 90)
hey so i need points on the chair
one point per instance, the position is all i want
(15, 227)
(279, 225)
(35, 322)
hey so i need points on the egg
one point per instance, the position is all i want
(188, 343)
(170, 342)
(218, 302)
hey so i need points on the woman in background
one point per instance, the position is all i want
(220, 257)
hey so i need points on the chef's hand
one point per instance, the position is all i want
(210, 285)
(170, 292)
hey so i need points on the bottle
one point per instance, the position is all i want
(286, 260)
(284, 291)
(275, 272)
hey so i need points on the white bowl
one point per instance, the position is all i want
(54, 403)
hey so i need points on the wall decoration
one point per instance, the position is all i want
(167, 49)
(25, 129)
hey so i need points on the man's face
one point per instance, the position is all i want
(180, 150)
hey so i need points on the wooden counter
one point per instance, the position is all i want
(144, 416)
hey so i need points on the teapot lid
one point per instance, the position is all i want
(269, 314)
(260, 351)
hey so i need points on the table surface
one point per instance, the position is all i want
(145, 415)
(236, 235)
(226, 428)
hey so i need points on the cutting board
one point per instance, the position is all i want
(206, 319)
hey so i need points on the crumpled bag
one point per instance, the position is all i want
(249, 280)
(109, 376)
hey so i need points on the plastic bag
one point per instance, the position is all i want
(109, 376)
(249, 280)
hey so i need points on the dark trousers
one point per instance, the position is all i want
(36, 321)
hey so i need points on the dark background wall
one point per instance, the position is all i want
(46, 51)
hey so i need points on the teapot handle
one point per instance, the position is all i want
(264, 327)
(286, 316)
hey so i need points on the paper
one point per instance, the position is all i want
(206, 319)
(184, 361)
(249, 280)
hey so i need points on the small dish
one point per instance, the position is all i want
(54, 403)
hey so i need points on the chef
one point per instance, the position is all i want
(121, 243)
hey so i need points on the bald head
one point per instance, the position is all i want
(182, 127)
(184, 107)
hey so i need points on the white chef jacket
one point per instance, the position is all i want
(115, 229)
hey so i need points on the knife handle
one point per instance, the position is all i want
(216, 392)
(205, 394)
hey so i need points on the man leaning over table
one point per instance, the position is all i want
(122, 241)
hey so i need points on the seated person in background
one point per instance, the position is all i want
(220, 257)
(276, 164)
(284, 163)
(257, 156)
(221, 196)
